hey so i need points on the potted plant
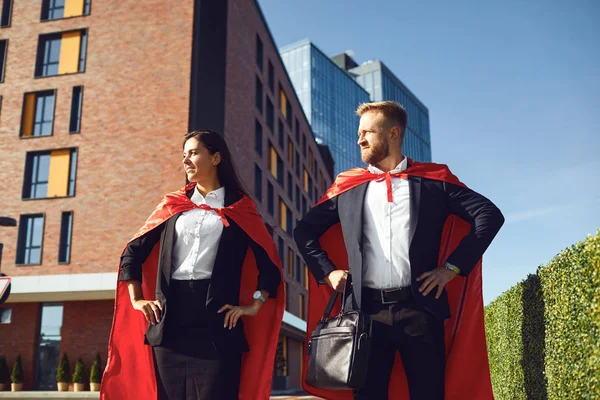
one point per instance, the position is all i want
(96, 374)
(16, 377)
(63, 373)
(4, 374)
(280, 380)
(78, 376)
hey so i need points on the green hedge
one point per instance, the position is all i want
(543, 334)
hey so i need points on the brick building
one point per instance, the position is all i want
(95, 97)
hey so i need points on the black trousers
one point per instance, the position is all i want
(188, 365)
(419, 338)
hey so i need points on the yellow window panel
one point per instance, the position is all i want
(73, 8)
(70, 46)
(28, 111)
(290, 152)
(283, 103)
(273, 162)
(305, 180)
(305, 277)
(58, 177)
(282, 215)
(291, 262)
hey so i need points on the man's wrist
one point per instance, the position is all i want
(452, 267)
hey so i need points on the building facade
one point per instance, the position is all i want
(95, 98)
(329, 96)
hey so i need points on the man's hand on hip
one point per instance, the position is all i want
(337, 279)
(438, 277)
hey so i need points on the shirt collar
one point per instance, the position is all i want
(400, 167)
(217, 196)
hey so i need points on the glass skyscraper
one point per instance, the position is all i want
(382, 84)
(329, 97)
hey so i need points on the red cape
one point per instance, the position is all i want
(129, 372)
(467, 368)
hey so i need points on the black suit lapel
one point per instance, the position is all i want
(351, 212)
(414, 187)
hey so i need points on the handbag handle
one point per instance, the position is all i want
(332, 300)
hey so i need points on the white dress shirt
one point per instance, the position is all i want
(198, 233)
(386, 232)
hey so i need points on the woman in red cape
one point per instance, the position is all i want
(467, 368)
(192, 316)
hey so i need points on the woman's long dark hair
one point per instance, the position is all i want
(226, 171)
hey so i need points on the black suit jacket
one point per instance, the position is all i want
(431, 202)
(224, 287)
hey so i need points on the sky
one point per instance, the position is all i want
(512, 88)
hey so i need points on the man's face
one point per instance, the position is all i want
(373, 137)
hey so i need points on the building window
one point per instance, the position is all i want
(38, 114)
(298, 199)
(50, 174)
(258, 138)
(321, 183)
(304, 206)
(298, 165)
(290, 186)
(259, 53)
(304, 145)
(280, 246)
(276, 165)
(6, 14)
(3, 55)
(288, 114)
(282, 102)
(271, 77)
(258, 183)
(270, 199)
(301, 313)
(310, 158)
(306, 277)
(290, 152)
(290, 261)
(306, 178)
(61, 53)
(281, 134)
(297, 131)
(48, 353)
(66, 232)
(76, 106)
(58, 9)
(270, 116)
(31, 237)
(259, 95)
(282, 215)
(290, 222)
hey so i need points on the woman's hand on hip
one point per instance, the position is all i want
(150, 308)
(235, 312)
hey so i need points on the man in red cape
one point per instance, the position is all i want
(129, 372)
(338, 216)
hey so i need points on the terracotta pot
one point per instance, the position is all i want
(16, 387)
(3, 387)
(62, 386)
(94, 387)
(78, 387)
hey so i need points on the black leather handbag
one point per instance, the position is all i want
(339, 349)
